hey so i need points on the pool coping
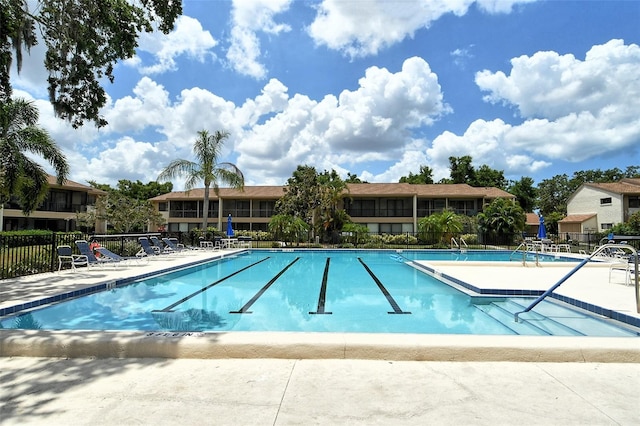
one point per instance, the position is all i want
(309, 345)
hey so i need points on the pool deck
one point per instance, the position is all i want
(116, 378)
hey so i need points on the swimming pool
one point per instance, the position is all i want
(311, 291)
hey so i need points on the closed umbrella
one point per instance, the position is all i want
(542, 230)
(229, 227)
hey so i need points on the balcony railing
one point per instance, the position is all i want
(380, 212)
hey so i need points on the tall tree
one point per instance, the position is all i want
(553, 194)
(331, 191)
(140, 191)
(206, 168)
(424, 176)
(486, 176)
(353, 178)
(461, 169)
(526, 194)
(84, 41)
(301, 194)
(20, 175)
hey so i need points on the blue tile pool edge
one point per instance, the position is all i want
(589, 307)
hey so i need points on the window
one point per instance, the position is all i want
(606, 225)
(634, 202)
(605, 201)
(265, 209)
(361, 208)
(162, 207)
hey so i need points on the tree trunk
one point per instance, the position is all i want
(205, 208)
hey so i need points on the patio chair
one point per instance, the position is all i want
(85, 250)
(628, 268)
(244, 242)
(207, 245)
(66, 257)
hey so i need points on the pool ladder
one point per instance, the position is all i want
(599, 250)
(462, 241)
(525, 249)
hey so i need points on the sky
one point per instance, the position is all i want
(374, 88)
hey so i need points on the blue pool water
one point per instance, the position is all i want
(313, 291)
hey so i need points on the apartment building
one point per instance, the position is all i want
(383, 207)
(597, 207)
(57, 212)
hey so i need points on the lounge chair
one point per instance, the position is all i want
(114, 257)
(147, 250)
(66, 257)
(86, 251)
(176, 246)
(162, 247)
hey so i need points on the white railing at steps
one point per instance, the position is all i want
(524, 254)
(454, 242)
(600, 249)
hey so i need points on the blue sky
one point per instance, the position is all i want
(374, 88)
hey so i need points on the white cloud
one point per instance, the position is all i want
(147, 108)
(248, 18)
(372, 123)
(273, 133)
(125, 159)
(363, 28)
(188, 38)
(575, 109)
(500, 6)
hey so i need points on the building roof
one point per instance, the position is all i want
(355, 189)
(577, 218)
(69, 184)
(250, 192)
(632, 181)
(532, 219)
(624, 187)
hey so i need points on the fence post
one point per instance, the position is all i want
(54, 252)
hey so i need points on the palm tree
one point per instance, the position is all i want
(20, 175)
(206, 169)
(440, 226)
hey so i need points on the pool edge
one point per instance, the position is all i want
(297, 345)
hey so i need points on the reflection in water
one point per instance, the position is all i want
(189, 320)
(26, 322)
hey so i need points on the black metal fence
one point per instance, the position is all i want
(33, 254)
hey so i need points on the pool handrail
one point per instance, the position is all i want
(580, 265)
(524, 245)
(453, 241)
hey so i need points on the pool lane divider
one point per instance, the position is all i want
(383, 289)
(203, 289)
(245, 308)
(323, 292)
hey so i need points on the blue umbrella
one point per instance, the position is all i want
(542, 230)
(229, 227)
